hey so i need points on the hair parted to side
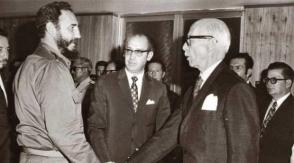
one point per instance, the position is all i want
(100, 63)
(248, 59)
(150, 45)
(287, 71)
(216, 28)
(158, 62)
(49, 13)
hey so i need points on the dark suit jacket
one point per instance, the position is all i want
(115, 130)
(230, 134)
(5, 130)
(278, 138)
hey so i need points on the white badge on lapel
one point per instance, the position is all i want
(210, 103)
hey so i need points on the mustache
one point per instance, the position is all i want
(75, 41)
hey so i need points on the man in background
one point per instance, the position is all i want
(127, 107)
(5, 126)
(51, 126)
(157, 70)
(100, 68)
(81, 69)
(242, 64)
(278, 115)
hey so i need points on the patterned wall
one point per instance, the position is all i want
(268, 36)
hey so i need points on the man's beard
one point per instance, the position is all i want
(66, 45)
(3, 63)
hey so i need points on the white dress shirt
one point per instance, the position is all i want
(139, 82)
(205, 74)
(3, 89)
(279, 103)
(292, 155)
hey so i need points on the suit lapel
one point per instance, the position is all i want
(125, 88)
(146, 86)
(206, 88)
(285, 105)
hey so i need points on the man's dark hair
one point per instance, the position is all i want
(84, 62)
(159, 62)
(287, 71)
(50, 13)
(3, 32)
(100, 63)
(248, 59)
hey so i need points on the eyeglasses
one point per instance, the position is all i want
(272, 80)
(138, 52)
(153, 72)
(109, 71)
(237, 68)
(76, 68)
(197, 37)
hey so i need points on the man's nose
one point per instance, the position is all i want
(77, 34)
(185, 47)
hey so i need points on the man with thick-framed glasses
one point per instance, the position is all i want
(127, 107)
(277, 115)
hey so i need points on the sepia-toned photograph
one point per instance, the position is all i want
(144, 81)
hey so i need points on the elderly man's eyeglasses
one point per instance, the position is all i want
(138, 52)
(197, 37)
(272, 80)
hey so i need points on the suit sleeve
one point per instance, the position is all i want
(62, 116)
(162, 142)
(163, 109)
(5, 136)
(242, 125)
(97, 122)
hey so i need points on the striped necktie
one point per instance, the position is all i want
(134, 93)
(268, 117)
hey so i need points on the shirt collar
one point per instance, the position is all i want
(282, 99)
(56, 52)
(205, 74)
(130, 75)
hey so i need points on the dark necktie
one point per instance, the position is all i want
(134, 93)
(197, 86)
(269, 116)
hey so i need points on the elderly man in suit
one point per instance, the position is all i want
(128, 106)
(278, 115)
(220, 122)
(5, 127)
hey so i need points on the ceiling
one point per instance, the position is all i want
(121, 7)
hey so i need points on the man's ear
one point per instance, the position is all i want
(149, 55)
(289, 83)
(249, 73)
(51, 29)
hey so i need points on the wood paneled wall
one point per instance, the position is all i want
(99, 35)
(268, 36)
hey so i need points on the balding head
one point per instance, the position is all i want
(207, 42)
